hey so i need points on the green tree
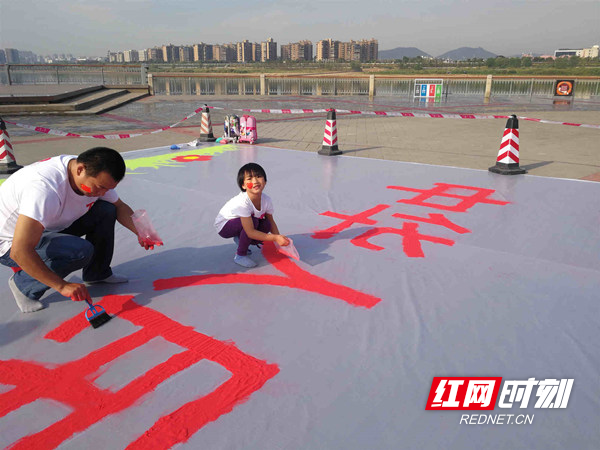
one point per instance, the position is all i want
(355, 66)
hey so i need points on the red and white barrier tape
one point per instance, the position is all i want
(407, 114)
(300, 111)
(101, 136)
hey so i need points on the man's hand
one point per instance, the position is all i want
(75, 291)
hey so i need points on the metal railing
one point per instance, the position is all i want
(24, 74)
(201, 84)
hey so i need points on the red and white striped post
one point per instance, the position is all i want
(8, 162)
(330, 138)
(507, 162)
(206, 132)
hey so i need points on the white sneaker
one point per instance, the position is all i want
(244, 261)
(113, 279)
(24, 303)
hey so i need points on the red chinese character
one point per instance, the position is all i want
(436, 219)
(410, 242)
(72, 383)
(480, 195)
(295, 278)
(348, 221)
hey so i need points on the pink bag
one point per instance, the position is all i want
(248, 129)
(288, 250)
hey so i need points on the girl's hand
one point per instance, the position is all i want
(282, 240)
(145, 244)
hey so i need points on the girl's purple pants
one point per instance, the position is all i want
(234, 228)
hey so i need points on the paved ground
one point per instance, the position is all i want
(546, 150)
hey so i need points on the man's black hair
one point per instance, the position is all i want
(252, 169)
(103, 159)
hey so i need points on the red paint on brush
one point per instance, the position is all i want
(295, 278)
(72, 383)
(85, 188)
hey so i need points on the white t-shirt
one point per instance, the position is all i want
(42, 192)
(242, 206)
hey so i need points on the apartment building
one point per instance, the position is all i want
(268, 50)
(12, 56)
(369, 49)
(131, 56)
(2, 57)
(297, 51)
(154, 54)
(203, 52)
(328, 50)
(244, 51)
(170, 53)
(186, 53)
(256, 51)
(363, 50)
(225, 52)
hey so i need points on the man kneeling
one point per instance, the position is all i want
(45, 208)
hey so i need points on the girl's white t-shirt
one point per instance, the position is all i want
(242, 206)
(42, 192)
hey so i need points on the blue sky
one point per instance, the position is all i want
(92, 28)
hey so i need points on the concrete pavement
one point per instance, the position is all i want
(545, 149)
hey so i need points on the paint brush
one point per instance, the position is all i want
(96, 315)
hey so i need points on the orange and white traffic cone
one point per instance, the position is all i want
(8, 162)
(206, 132)
(330, 147)
(507, 162)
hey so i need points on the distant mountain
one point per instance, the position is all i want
(467, 53)
(401, 52)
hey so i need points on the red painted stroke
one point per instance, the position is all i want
(411, 242)
(435, 219)
(348, 221)
(85, 188)
(249, 185)
(480, 195)
(72, 383)
(295, 278)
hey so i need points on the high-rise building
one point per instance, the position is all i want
(302, 51)
(286, 51)
(225, 53)
(328, 50)
(143, 55)
(131, 56)
(12, 56)
(268, 50)
(256, 51)
(2, 57)
(155, 54)
(363, 50)
(369, 49)
(170, 53)
(203, 52)
(186, 53)
(244, 51)
(297, 51)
